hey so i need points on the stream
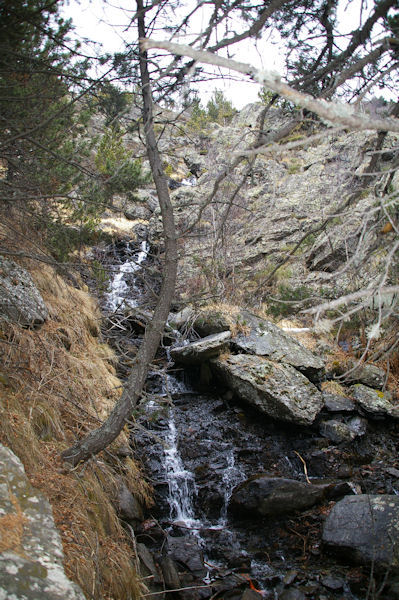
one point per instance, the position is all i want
(197, 444)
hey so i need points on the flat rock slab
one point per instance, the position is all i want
(31, 553)
(375, 404)
(335, 403)
(20, 300)
(272, 496)
(266, 339)
(277, 390)
(365, 529)
(201, 350)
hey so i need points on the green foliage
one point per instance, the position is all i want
(112, 102)
(266, 96)
(118, 172)
(218, 110)
(286, 301)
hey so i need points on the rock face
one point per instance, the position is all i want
(277, 390)
(20, 300)
(266, 339)
(365, 529)
(30, 546)
(273, 496)
(201, 350)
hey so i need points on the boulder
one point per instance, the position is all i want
(266, 339)
(186, 551)
(31, 554)
(201, 350)
(334, 403)
(277, 390)
(369, 375)
(20, 300)
(129, 507)
(365, 529)
(375, 404)
(272, 496)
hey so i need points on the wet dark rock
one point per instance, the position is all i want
(251, 595)
(201, 350)
(129, 507)
(336, 431)
(266, 339)
(273, 496)
(277, 390)
(358, 425)
(291, 594)
(170, 573)
(186, 551)
(375, 404)
(332, 583)
(364, 529)
(147, 564)
(338, 404)
(290, 577)
(20, 300)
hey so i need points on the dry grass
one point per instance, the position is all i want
(12, 528)
(57, 383)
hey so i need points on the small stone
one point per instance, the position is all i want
(332, 583)
(335, 403)
(336, 431)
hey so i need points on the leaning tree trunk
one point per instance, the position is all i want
(100, 438)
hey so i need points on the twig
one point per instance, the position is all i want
(305, 469)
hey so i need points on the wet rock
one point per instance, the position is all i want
(31, 552)
(277, 390)
(358, 425)
(201, 350)
(332, 583)
(364, 529)
(336, 431)
(129, 507)
(291, 594)
(20, 300)
(147, 564)
(273, 496)
(170, 573)
(374, 403)
(335, 403)
(251, 595)
(186, 551)
(266, 339)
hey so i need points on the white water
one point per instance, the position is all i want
(118, 288)
(232, 476)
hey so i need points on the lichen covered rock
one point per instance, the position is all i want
(277, 390)
(20, 300)
(30, 546)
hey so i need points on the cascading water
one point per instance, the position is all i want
(120, 293)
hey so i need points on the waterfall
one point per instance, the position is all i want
(117, 296)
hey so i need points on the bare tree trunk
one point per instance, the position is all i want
(100, 438)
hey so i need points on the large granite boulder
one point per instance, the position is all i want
(277, 390)
(20, 300)
(272, 496)
(266, 339)
(365, 529)
(30, 546)
(201, 350)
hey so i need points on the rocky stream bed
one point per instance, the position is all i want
(268, 481)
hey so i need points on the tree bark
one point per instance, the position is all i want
(100, 438)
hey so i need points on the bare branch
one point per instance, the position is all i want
(331, 111)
